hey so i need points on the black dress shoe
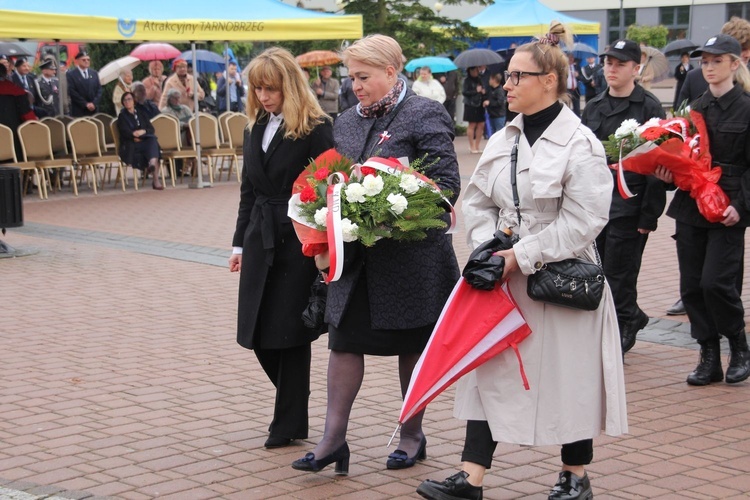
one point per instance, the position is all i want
(277, 442)
(455, 487)
(676, 309)
(571, 487)
(400, 460)
(311, 464)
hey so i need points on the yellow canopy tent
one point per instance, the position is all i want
(170, 21)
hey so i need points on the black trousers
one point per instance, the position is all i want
(479, 447)
(450, 107)
(289, 371)
(711, 261)
(621, 247)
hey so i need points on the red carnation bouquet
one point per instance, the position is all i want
(310, 187)
(681, 145)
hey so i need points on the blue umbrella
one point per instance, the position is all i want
(436, 64)
(582, 51)
(208, 62)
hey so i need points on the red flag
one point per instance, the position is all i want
(475, 326)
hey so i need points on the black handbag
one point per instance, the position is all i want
(574, 283)
(313, 316)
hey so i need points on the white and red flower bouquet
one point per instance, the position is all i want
(681, 145)
(335, 201)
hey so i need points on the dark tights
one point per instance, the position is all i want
(345, 373)
(479, 447)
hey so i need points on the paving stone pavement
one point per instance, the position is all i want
(120, 376)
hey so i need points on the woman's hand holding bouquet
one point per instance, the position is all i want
(680, 145)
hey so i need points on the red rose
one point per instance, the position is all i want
(368, 171)
(308, 195)
(653, 133)
(321, 174)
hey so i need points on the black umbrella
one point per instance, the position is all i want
(477, 57)
(677, 47)
(13, 50)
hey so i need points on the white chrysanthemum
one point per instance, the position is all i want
(321, 215)
(409, 184)
(626, 128)
(373, 185)
(349, 230)
(398, 203)
(355, 193)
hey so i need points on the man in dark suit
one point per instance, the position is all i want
(83, 87)
(47, 88)
(14, 106)
(24, 78)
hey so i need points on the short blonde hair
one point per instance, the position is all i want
(276, 68)
(379, 51)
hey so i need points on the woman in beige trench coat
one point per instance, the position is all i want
(572, 358)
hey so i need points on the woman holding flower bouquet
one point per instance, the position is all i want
(389, 295)
(572, 357)
(288, 127)
(711, 254)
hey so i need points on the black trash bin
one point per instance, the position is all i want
(11, 206)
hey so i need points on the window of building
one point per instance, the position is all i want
(677, 21)
(613, 21)
(738, 9)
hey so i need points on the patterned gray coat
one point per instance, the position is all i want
(407, 283)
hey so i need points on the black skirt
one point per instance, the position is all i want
(145, 150)
(474, 114)
(356, 335)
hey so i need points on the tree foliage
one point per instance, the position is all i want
(419, 30)
(653, 36)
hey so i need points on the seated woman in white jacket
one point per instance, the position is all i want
(427, 86)
(573, 357)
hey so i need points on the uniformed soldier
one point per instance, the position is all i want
(623, 239)
(48, 89)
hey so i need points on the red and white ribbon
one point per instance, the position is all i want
(394, 168)
(335, 232)
(622, 186)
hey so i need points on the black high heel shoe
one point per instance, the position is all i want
(400, 460)
(311, 464)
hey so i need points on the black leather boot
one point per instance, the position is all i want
(455, 487)
(739, 359)
(709, 369)
(571, 487)
(630, 329)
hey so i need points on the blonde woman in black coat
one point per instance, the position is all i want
(288, 128)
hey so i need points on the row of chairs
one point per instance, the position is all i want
(95, 141)
(44, 147)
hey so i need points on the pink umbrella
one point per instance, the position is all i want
(155, 50)
(475, 326)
